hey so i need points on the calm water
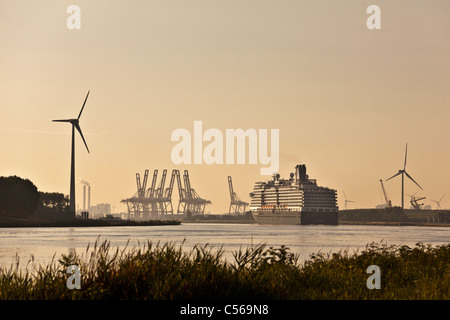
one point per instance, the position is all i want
(43, 243)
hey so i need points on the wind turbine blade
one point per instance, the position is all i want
(344, 195)
(406, 153)
(64, 120)
(413, 180)
(442, 197)
(393, 176)
(79, 130)
(83, 105)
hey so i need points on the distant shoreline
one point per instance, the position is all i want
(85, 223)
(387, 223)
(375, 223)
(376, 217)
(126, 223)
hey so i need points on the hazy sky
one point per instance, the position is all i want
(345, 99)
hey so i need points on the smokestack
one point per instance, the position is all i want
(300, 173)
(85, 183)
(84, 198)
(303, 175)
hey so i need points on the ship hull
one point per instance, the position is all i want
(280, 217)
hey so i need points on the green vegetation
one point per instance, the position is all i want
(171, 272)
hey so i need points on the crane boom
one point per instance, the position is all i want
(144, 183)
(161, 184)
(138, 183)
(230, 186)
(388, 202)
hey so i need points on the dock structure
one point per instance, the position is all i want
(236, 204)
(156, 201)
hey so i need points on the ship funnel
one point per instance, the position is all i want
(300, 173)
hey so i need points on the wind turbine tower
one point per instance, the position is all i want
(75, 125)
(403, 173)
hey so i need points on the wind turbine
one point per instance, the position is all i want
(346, 201)
(438, 203)
(75, 125)
(403, 173)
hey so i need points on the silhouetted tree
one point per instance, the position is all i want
(18, 197)
(53, 205)
(54, 200)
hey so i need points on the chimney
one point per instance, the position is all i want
(300, 173)
(84, 197)
(89, 197)
(303, 175)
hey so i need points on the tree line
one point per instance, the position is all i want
(20, 198)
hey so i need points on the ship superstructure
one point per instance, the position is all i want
(298, 200)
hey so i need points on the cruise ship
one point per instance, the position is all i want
(298, 200)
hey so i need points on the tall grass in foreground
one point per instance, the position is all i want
(166, 271)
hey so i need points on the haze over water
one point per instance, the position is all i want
(43, 243)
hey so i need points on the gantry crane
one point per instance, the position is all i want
(236, 204)
(189, 200)
(146, 203)
(165, 201)
(138, 205)
(156, 201)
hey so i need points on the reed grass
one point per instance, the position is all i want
(169, 272)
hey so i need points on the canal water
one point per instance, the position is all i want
(41, 244)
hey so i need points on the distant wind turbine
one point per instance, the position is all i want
(438, 203)
(403, 173)
(346, 201)
(75, 125)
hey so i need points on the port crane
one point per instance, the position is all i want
(236, 204)
(139, 204)
(388, 202)
(415, 201)
(151, 194)
(157, 200)
(165, 195)
(152, 201)
(190, 201)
